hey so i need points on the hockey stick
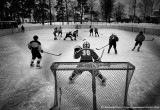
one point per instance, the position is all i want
(102, 47)
(60, 37)
(80, 38)
(149, 40)
(102, 54)
(53, 54)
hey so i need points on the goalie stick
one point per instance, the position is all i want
(102, 47)
(102, 54)
(53, 54)
(149, 39)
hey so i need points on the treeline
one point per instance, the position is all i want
(42, 11)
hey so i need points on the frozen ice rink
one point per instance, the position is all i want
(28, 88)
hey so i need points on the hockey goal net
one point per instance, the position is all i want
(86, 93)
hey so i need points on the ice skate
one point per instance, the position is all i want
(138, 49)
(115, 51)
(31, 65)
(38, 66)
(71, 81)
(103, 82)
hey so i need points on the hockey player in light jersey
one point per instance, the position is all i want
(86, 55)
(35, 47)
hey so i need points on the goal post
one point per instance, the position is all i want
(86, 91)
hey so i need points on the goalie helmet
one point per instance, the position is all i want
(86, 45)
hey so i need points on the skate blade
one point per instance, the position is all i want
(71, 82)
(103, 84)
(39, 67)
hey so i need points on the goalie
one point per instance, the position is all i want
(86, 55)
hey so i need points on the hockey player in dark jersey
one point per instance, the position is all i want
(86, 55)
(75, 34)
(68, 34)
(112, 42)
(96, 32)
(35, 47)
(60, 32)
(139, 39)
(55, 33)
(91, 31)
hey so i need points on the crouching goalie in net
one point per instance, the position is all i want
(86, 55)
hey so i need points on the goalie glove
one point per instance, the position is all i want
(41, 51)
(77, 49)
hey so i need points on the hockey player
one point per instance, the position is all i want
(139, 39)
(22, 28)
(60, 32)
(55, 33)
(35, 47)
(112, 42)
(75, 34)
(91, 31)
(96, 32)
(86, 55)
(68, 34)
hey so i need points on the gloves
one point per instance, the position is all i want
(41, 51)
(29, 46)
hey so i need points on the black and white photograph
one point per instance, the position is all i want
(79, 54)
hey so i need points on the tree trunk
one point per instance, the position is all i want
(82, 12)
(67, 11)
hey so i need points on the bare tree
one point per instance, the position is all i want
(72, 8)
(145, 8)
(132, 9)
(92, 4)
(119, 12)
(107, 8)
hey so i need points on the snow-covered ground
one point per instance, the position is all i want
(24, 87)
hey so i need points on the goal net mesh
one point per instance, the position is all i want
(79, 95)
